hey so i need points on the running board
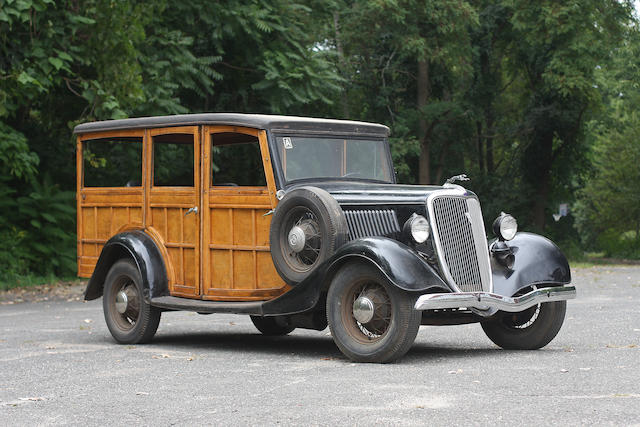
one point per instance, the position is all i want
(201, 306)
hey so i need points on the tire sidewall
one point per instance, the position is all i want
(544, 328)
(271, 326)
(332, 223)
(148, 318)
(405, 320)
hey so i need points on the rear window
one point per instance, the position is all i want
(112, 162)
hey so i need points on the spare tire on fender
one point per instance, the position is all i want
(308, 226)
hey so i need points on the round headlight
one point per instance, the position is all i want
(419, 228)
(505, 227)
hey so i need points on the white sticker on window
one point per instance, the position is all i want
(288, 145)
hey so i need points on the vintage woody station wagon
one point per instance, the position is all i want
(299, 223)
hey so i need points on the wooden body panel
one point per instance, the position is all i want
(103, 211)
(166, 214)
(219, 253)
(236, 262)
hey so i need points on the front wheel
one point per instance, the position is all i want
(526, 330)
(370, 319)
(129, 318)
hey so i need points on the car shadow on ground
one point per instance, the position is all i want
(305, 346)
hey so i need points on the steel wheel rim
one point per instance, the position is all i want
(522, 320)
(127, 320)
(525, 319)
(307, 258)
(378, 327)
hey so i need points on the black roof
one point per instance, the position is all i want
(279, 124)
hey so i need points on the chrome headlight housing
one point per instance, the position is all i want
(505, 226)
(418, 228)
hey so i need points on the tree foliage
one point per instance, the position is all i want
(608, 207)
(514, 93)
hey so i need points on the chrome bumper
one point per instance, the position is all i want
(487, 301)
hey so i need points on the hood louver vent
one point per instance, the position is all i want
(372, 222)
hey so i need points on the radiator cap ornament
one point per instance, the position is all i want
(461, 178)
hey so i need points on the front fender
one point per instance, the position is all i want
(143, 251)
(537, 261)
(400, 264)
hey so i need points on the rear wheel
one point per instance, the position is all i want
(370, 319)
(530, 329)
(129, 318)
(272, 326)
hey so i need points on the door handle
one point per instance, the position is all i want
(193, 209)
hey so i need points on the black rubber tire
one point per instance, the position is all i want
(501, 330)
(272, 326)
(128, 330)
(332, 225)
(402, 327)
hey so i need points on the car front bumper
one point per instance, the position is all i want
(485, 301)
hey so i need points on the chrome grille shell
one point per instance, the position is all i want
(372, 222)
(460, 240)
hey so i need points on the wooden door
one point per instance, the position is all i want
(238, 195)
(173, 203)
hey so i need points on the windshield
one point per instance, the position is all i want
(321, 157)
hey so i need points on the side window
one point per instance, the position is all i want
(236, 161)
(112, 162)
(173, 160)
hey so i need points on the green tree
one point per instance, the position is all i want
(608, 207)
(407, 64)
(556, 49)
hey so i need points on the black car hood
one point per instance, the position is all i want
(368, 193)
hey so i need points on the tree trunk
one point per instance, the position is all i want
(479, 146)
(424, 175)
(344, 98)
(489, 144)
(543, 175)
(440, 168)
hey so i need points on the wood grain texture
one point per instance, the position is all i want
(103, 211)
(236, 232)
(166, 212)
(221, 253)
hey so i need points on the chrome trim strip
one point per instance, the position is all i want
(480, 241)
(479, 236)
(486, 300)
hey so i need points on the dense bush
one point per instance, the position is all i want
(510, 92)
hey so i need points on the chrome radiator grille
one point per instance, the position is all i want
(461, 244)
(372, 222)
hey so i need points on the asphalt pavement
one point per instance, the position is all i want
(60, 366)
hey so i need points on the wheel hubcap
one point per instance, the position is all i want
(297, 239)
(122, 302)
(363, 309)
(303, 243)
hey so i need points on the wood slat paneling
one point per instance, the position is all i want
(237, 264)
(165, 211)
(227, 259)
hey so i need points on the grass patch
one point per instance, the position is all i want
(589, 261)
(32, 280)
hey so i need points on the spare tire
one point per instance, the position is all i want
(307, 227)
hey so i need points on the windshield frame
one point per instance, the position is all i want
(281, 180)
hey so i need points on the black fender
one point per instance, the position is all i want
(400, 264)
(141, 248)
(537, 261)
